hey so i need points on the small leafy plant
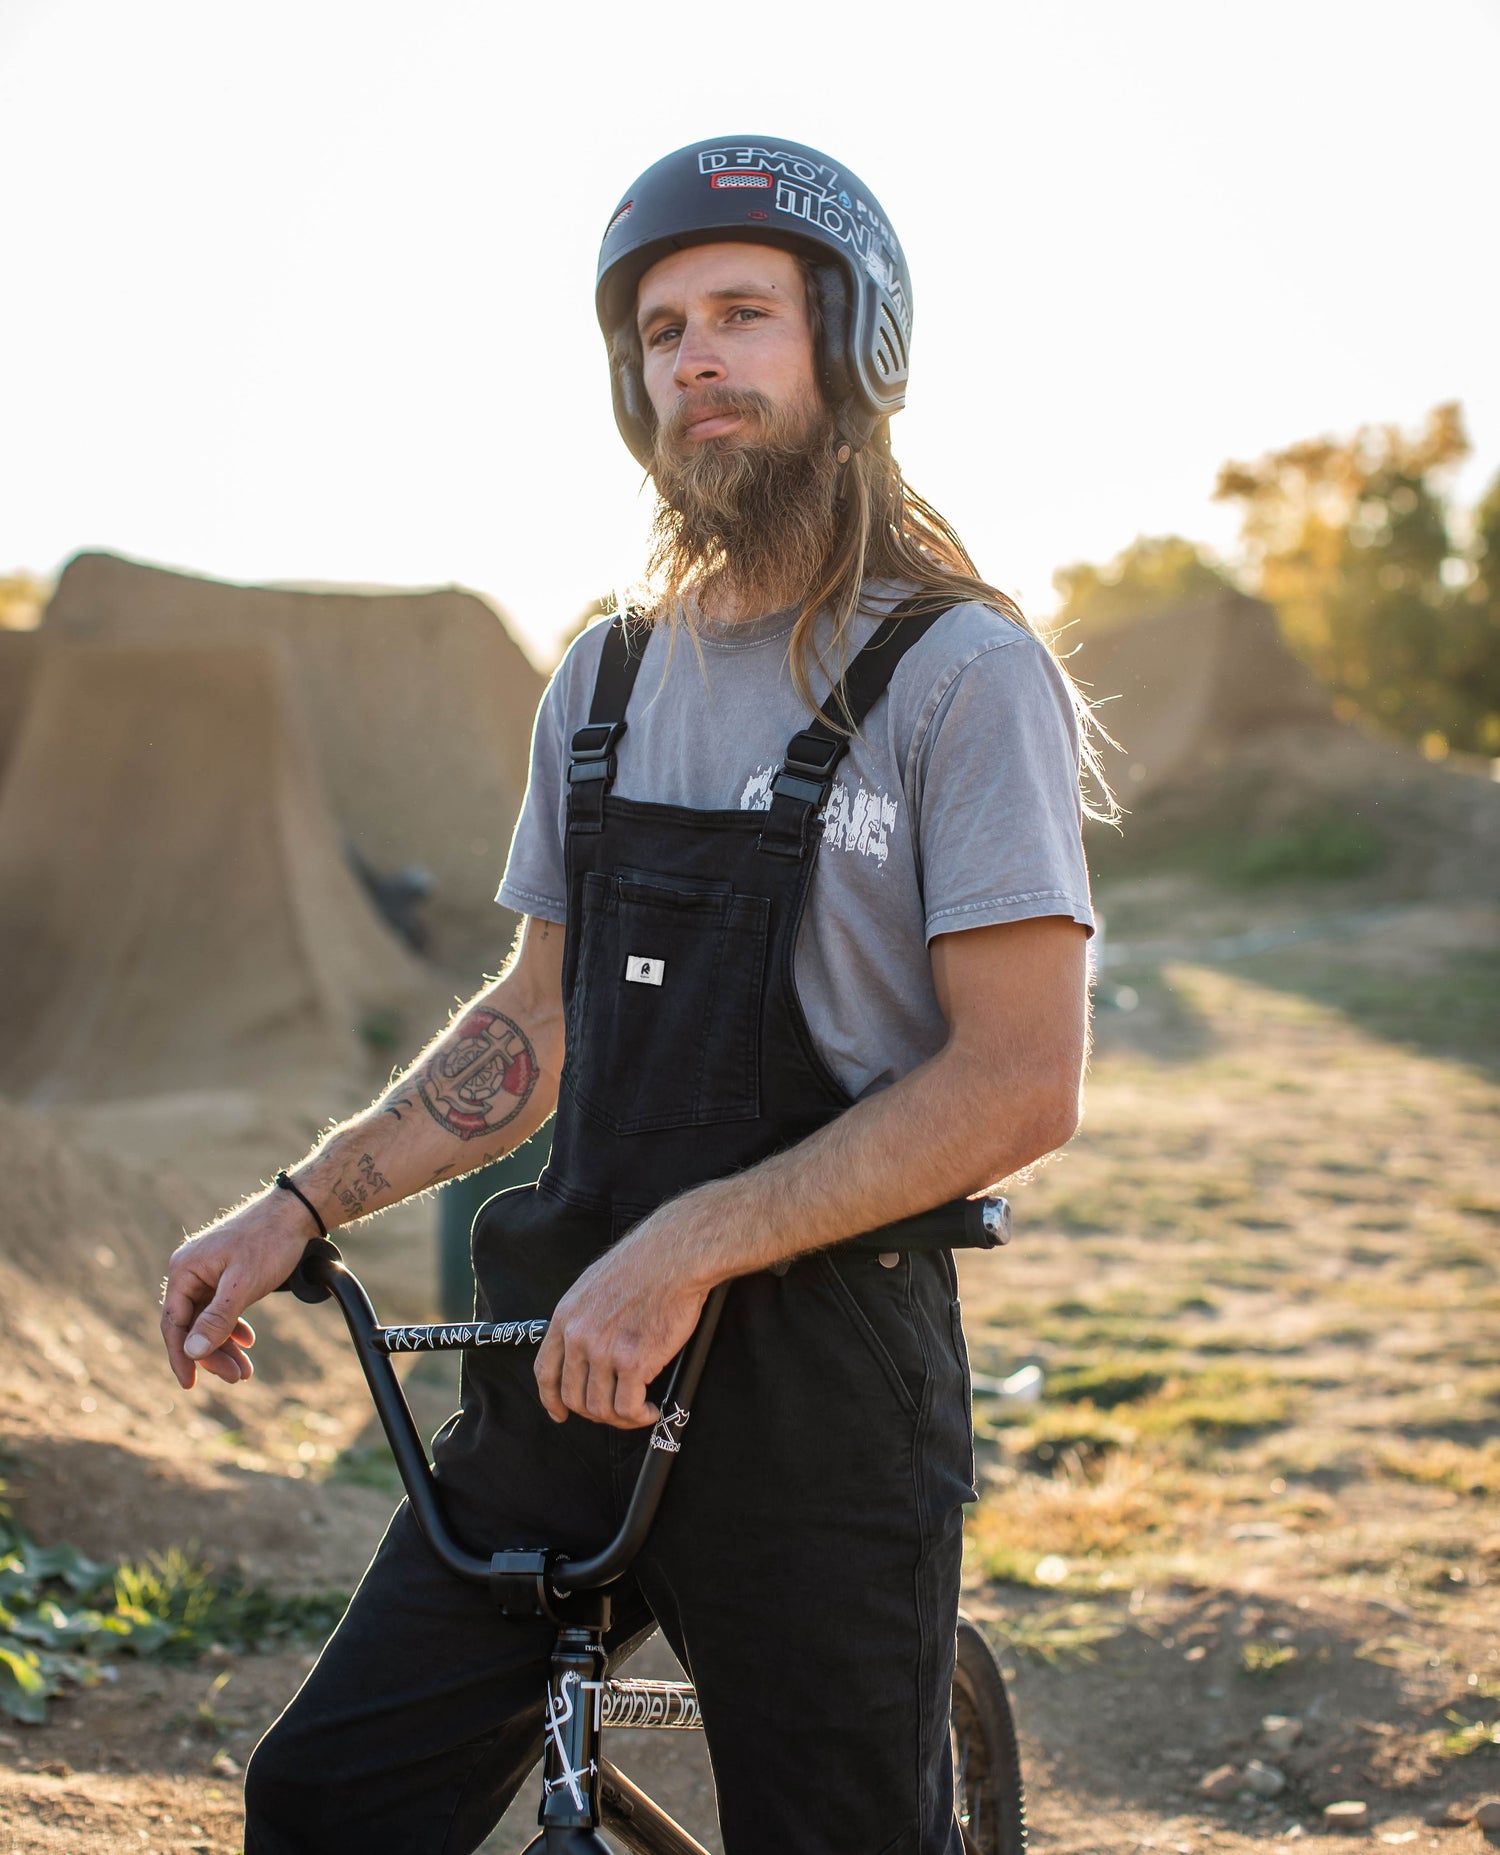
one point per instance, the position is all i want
(63, 1616)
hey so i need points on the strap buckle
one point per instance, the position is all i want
(814, 755)
(592, 753)
(806, 772)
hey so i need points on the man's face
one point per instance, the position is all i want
(721, 327)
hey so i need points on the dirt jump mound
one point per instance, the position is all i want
(1181, 687)
(175, 907)
(18, 656)
(419, 707)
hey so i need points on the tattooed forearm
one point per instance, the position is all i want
(355, 1194)
(482, 1078)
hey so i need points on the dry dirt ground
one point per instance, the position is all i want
(1262, 1479)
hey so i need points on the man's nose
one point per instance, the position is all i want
(698, 362)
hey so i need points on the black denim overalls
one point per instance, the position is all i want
(805, 1562)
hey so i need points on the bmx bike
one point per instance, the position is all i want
(581, 1789)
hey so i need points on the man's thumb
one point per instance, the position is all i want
(211, 1329)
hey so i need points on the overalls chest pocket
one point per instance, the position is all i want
(663, 1016)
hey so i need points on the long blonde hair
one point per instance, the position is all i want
(883, 531)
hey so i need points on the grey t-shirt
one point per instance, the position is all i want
(956, 807)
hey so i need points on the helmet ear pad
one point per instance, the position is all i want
(634, 413)
(831, 287)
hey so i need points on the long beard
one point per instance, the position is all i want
(754, 519)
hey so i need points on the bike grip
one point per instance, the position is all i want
(962, 1224)
(308, 1280)
(987, 1221)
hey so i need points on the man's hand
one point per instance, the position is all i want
(480, 1087)
(621, 1322)
(212, 1280)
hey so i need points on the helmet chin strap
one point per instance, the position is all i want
(843, 453)
(851, 433)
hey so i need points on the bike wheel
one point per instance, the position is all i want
(987, 1790)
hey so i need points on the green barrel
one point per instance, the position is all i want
(457, 1206)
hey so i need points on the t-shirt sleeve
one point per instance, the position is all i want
(995, 792)
(535, 880)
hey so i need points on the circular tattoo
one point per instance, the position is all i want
(483, 1080)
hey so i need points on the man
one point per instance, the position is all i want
(779, 995)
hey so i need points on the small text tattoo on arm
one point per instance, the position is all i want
(483, 1079)
(355, 1195)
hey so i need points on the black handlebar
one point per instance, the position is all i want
(321, 1274)
(965, 1224)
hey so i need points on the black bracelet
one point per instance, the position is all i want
(287, 1186)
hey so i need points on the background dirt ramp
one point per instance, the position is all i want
(175, 908)
(419, 706)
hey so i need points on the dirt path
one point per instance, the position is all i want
(1263, 1479)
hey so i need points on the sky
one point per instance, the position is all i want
(304, 291)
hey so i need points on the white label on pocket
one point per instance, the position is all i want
(641, 971)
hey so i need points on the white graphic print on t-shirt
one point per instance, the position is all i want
(859, 820)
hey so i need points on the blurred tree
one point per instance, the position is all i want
(22, 599)
(1155, 571)
(1351, 541)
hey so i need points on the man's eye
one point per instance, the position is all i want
(660, 337)
(747, 314)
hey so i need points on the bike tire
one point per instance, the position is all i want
(989, 1798)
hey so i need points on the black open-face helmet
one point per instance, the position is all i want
(771, 192)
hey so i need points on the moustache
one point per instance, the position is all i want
(743, 402)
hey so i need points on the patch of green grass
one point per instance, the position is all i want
(1162, 1401)
(1452, 1011)
(1081, 1212)
(1217, 1343)
(1047, 1441)
(367, 1466)
(186, 1607)
(1069, 1633)
(1216, 1404)
(63, 1615)
(1261, 1657)
(1318, 846)
(206, 1721)
(1109, 1335)
(1466, 1737)
(1439, 1462)
(1106, 1383)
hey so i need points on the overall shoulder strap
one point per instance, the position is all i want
(799, 790)
(591, 763)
